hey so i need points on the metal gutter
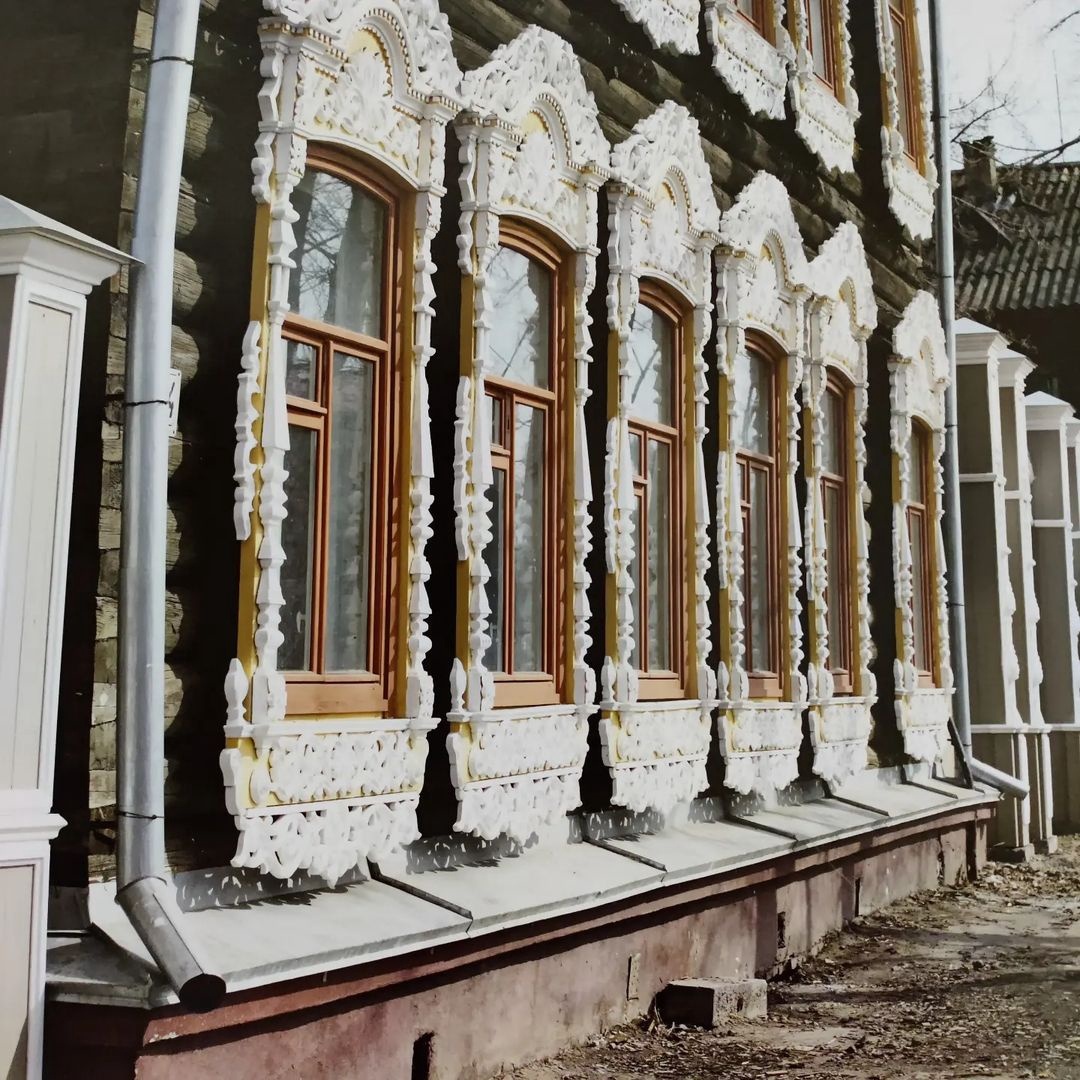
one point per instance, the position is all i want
(954, 548)
(142, 876)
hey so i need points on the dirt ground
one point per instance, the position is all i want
(978, 981)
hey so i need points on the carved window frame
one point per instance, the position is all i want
(531, 149)
(919, 375)
(669, 24)
(842, 316)
(762, 288)
(663, 228)
(825, 115)
(377, 80)
(910, 172)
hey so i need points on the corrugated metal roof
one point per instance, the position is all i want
(1021, 251)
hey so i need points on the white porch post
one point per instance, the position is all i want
(999, 732)
(46, 270)
(1049, 420)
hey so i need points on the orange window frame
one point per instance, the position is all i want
(513, 688)
(839, 543)
(921, 459)
(905, 46)
(758, 17)
(771, 682)
(828, 47)
(664, 683)
(318, 692)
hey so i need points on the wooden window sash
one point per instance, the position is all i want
(906, 53)
(765, 684)
(518, 689)
(840, 543)
(760, 19)
(920, 446)
(318, 692)
(664, 683)
(830, 45)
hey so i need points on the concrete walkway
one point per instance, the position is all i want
(979, 981)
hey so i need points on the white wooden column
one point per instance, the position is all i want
(1049, 420)
(1013, 370)
(46, 270)
(998, 730)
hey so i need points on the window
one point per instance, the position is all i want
(919, 528)
(525, 284)
(756, 440)
(757, 13)
(836, 502)
(336, 579)
(905, 45)
(821, 31)
(654, 410)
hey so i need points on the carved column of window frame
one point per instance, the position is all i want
(918, 376)
(751, 65)
(843, 315)
(531, 147)
(308, 794)
(762, 284)
(824, 117)
(656, 750)
(911, 188)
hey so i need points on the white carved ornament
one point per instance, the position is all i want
(825, 117)
(531, 147)
(919, 374)
(670, 24)
(911, 189)
(762, 284)
(663, 225)
(842, 315)
(751, 66)
(388, 100)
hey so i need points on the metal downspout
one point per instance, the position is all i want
(954, 549)
(142, 876)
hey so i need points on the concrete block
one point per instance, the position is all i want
(705, 1003)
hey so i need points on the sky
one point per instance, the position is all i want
(1008, 43)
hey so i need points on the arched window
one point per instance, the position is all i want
(654, 410)
(525, 284)
(340, 383)
(920, 494)
(756, 440)
(836, 467)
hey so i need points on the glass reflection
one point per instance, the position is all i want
(528, 538)
(519, 296)
(298, 540)
(659, 547)
(753, 393)
(652, 384)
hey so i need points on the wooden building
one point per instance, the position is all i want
(556, 596)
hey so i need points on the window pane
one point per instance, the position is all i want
(836, 595)
(832, 459)
(301, 370)
(496, 406)
(819, 31)
(635, 453)
(753, 392)
(920, 454)
(758, 556)
(340, 240)
(348, 571)
(659, 579)
(903, 84)
(494, 558)
(528, 538)
(519, 296)
(298, 541)
(635, 577)
(652, 355)
(916, 528)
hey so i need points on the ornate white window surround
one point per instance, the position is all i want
(762, 284)
(531, 147)
(377, 77)
(919, 374)
(663, 225)
(752, 67)
(911, 190)
(824, 119)
(842, 316)
(669, 24)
